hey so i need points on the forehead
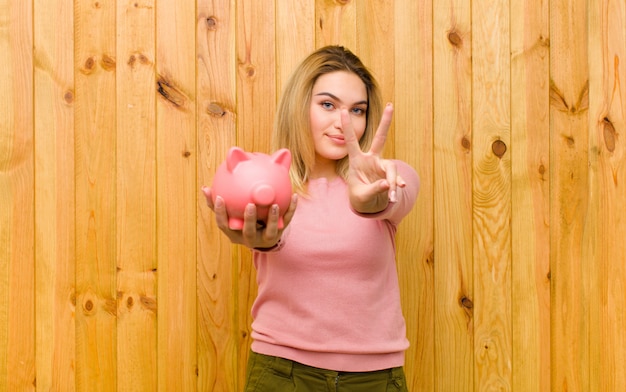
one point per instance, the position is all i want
(346, 86)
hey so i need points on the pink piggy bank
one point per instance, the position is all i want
(253, 178)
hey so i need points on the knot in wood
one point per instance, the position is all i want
(455, 39)
(216, 110)
(148, 303)
(88, 307)
(107, 63)
(499, 148)
(250, 71)
(89, 65)
(170, 92)
(609, 134)
(211, 23)
(466, 302)
(465, 142)
(68, 96)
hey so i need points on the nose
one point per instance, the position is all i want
(337, 123)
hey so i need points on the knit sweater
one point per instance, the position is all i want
(328, 296)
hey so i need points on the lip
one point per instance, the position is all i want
(337, 139)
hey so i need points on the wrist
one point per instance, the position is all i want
(272, 248)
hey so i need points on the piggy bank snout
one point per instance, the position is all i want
(263, 195)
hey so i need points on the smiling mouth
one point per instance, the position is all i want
(336, 138)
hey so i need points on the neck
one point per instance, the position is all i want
(325, 169)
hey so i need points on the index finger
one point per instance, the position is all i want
(349, 136)
(383, 128)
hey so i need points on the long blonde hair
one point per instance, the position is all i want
(292, 128)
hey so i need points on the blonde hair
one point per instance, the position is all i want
(292, 125)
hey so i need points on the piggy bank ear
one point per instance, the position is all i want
(235, 156)
(282, 157)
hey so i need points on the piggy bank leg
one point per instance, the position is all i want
(235, 223)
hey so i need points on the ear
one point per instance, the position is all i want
(235, 156)
(282, 157)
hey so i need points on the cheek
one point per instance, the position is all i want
(314, 119)
(359, 127)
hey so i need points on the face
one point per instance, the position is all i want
(333, 92)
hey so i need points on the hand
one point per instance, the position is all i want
(372, 180)
(253, 235)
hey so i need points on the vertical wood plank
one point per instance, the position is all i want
(569, 195)
(136, 183)
(375, 47)
(95, 165)
(218, 331)
(413, 100)
(256, 107)
(176, 194)
(530, 193)
(607, 122)
(54, 194)
(17, 258)
(491, 194)
(335, 23)
(452, 184)
(295, 37)
(256, 73)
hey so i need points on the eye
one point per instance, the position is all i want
(358, 111)
(327, 105)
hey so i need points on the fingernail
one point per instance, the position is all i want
(219, 202)
(275, 209)
(392, 197)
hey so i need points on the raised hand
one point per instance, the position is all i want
(372, 180)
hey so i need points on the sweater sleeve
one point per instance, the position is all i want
(405, 196)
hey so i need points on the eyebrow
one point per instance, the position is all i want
(323, 93)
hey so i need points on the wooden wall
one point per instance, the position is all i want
(113, 276)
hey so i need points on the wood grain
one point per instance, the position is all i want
(256, 106)
(569, 196)
(176, 194)
(375, 47)
(95, 171)
(336, 23)
(530, 192)
(17, 258)
(136, 198)
(413, 104)
(113, 275)
(607, 121)
(218, 329)
(491, 195)
(54, 189)
(452, 193)
(295, 37)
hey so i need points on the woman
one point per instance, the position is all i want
(327, 315)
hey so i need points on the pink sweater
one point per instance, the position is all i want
(328, 296)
